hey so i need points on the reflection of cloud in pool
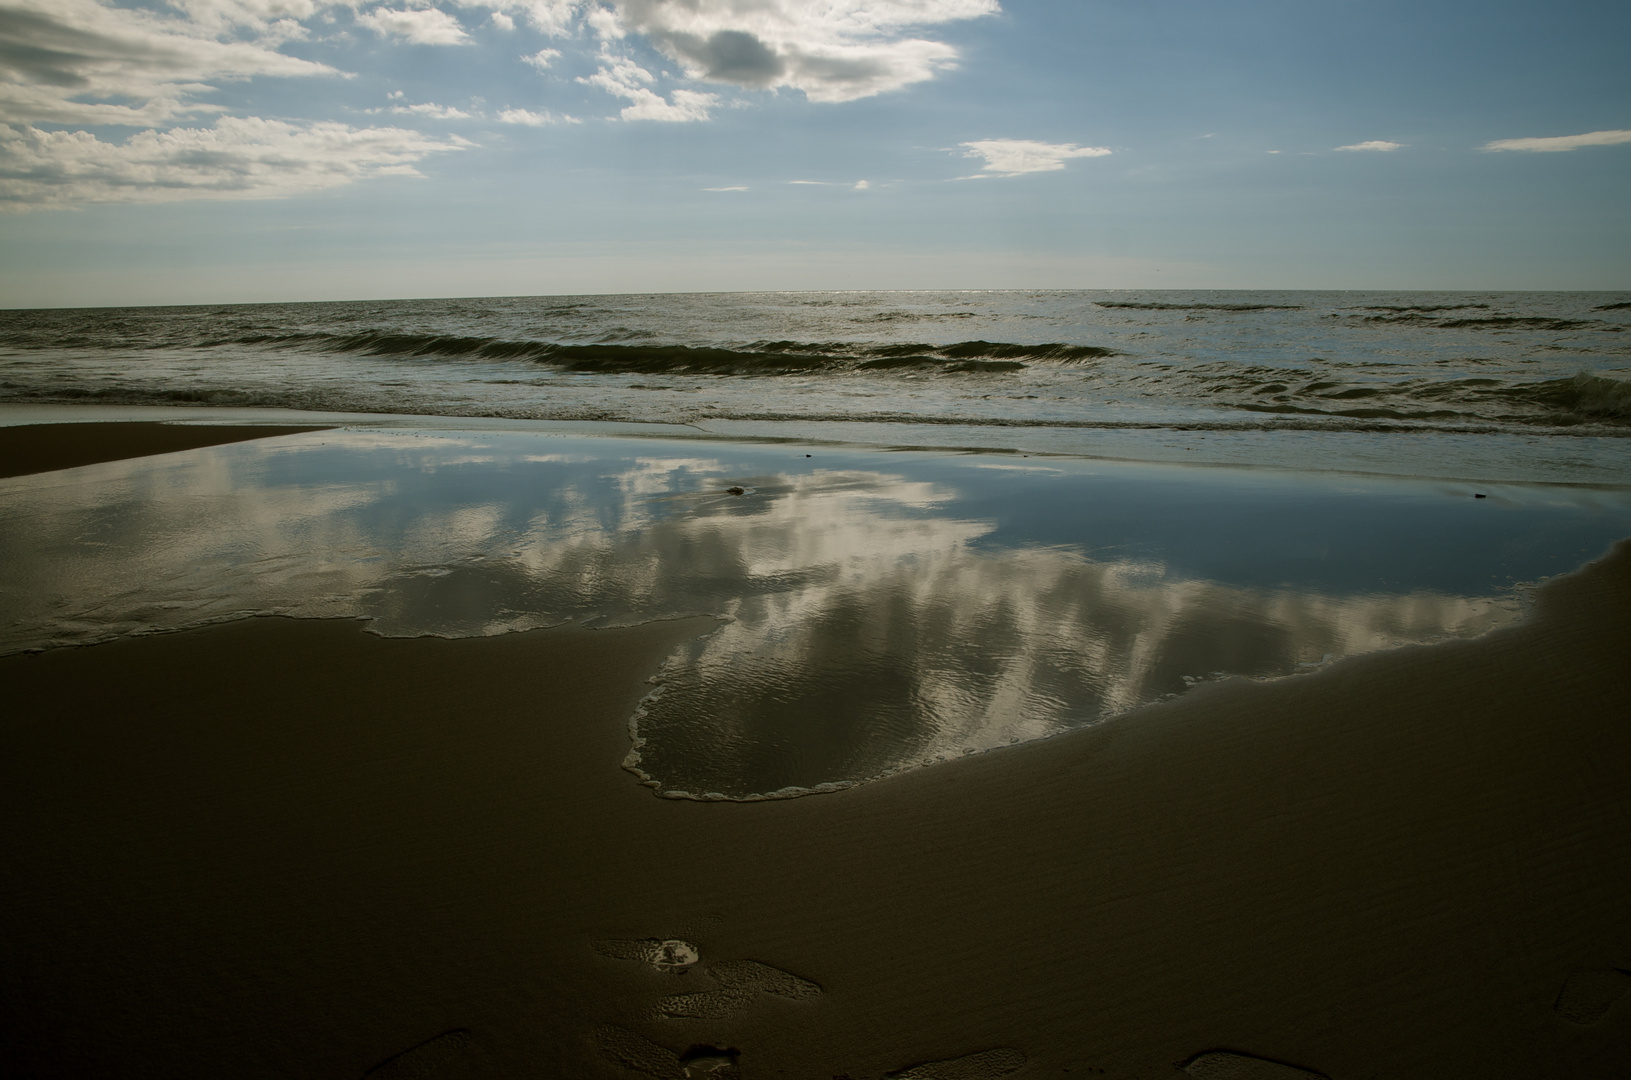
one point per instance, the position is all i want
(868, 627)
(956, 649)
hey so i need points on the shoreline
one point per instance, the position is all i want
(288, 846)
(1524, 458)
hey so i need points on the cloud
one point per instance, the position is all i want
(623, 77)
(1015, 157)
(78, 62)
(605, 23)
(684, 105)
(261, 16)
(424, 26)
(534, 119)
(435, 112)
(837, 50)
(1374, 144)
(553, 17)
(237, 158)
(154, 66)
(1557, 143)
(737, 188)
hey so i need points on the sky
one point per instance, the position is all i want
(204, 151)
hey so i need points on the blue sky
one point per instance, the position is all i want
(233, 150)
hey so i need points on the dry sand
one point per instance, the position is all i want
(286, 848)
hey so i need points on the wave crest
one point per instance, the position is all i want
(1584, 397)
(1140, 305)
(755, 358)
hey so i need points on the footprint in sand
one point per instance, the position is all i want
(985, 1065)
(422, 1060)
(665, 954)
(1587, 995)
(632, 1051)
(1228, 1065)
(740, 981)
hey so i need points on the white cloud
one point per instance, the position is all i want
(623, 77)
(79, 62)
(682, 106)
(153, 66)
(737, 188)
(1558, 143)
(217, 16)
(1373, 144)
(534, 119)
(425, 26)
(552, 17)
(1014, 157)
(435, 112)
(833, 50)
(237, 158)
(862, 185)
(605, 23)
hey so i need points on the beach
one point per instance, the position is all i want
(281, 846)
(814, 540)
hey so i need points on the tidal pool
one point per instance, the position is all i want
(876, 610)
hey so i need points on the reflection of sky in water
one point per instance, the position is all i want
(879, 609)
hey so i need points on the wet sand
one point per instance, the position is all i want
(37, 448)
(281, 847)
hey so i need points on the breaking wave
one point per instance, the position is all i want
(1564, 402)
(756, 358)
(1587, 397)
(1140, 305)
(1422, 308)
(1428, 317)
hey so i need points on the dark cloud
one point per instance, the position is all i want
(732, 56)
(42, 50)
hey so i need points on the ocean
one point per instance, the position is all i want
(921, 524)
(1496, 386)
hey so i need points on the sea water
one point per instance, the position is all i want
(1513, 386)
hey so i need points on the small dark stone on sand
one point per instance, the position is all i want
(743, 491)
(1476, 495)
